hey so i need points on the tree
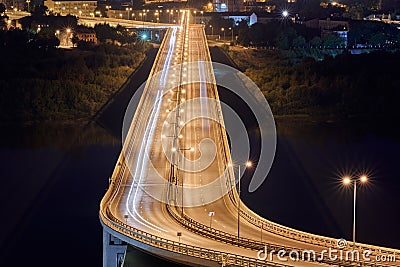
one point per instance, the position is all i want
(40, 11)
(378, 39)
(285, 38)
(299, 42)
(75, 40)
(2, 9)
(46, 38)
(316, 42)
(332, 41)
(3, 16)
(282, 42)
(356, 11)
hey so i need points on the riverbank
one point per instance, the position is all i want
(346, 87)
(64, 86)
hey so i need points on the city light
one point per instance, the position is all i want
(285, 13)
(363, 179)
(346, 180)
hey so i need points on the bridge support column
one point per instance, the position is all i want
(113, 250)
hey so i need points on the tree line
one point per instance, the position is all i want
(45, 83)
(344, 86)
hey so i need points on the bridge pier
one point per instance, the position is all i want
(114, 250)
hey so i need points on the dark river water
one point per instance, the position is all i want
(53, 177)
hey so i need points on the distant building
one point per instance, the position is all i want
(237, 16)
(119, 14)
(228, 5)
(163, 1)
(384, 18)
(326, 24)
(53, 22)
(17, 5)
(250, 17)
(258, 5)
(77, 8)
(86, 34)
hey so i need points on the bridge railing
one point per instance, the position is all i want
(325, 242)
(288, 232)
(257, 245)
(114, 223)
(111, 221)
(203, 253)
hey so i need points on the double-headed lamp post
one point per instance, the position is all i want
(247, 164)
(191, 149)
(347, 180)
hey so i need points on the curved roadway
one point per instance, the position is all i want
(141, 203)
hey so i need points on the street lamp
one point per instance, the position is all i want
(128, 9)
(223, 30)
(211, 214)
(347, 180)
(231, 28)
(285, 13)
(68, 35)
(28, 2)
(212, 30)
(247, 164)
(191, 149)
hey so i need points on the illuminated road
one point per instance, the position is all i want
(92, 21)
(162, 137)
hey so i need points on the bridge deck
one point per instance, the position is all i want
(157, 143)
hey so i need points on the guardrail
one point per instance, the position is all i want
(291, 233)
(326, 242)
(114, 223)
(228, 238)
(181, 248)
(136, 23)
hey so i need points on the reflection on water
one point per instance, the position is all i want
(303, 189)
(53, 178)
(54, 136)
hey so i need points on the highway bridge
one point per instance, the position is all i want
(129, 24)
(92, 21)
(164, 210)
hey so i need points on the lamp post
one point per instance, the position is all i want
(191, 149)
(28, 2)
(211, 214)
(68, 35)
(223, 30)
(347, 180)
(212, 30)
(157, 15)
(247, 164)
(231, 28)
(128, 9)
